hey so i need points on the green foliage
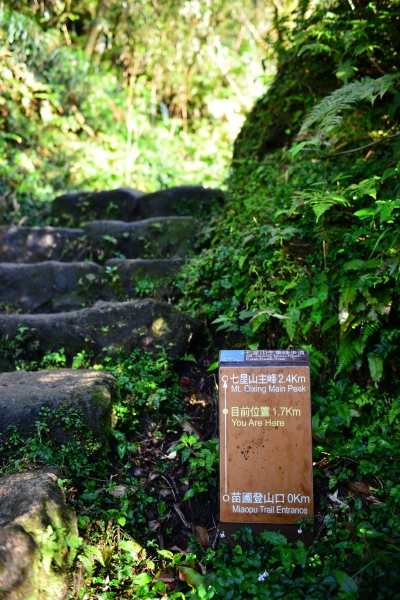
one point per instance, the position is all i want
(306, 255)
(203, 463)
(58, 547)
(135, 114)
(53, 360)
(40, 447)
(271, 567)
(327, 111)
(148, 382)
(317, 51)
(307, 252)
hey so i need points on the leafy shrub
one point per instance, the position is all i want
(307, 251)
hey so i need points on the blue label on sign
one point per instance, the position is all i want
(231, 356)
(264, 356)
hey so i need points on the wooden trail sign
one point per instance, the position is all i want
(265, 436)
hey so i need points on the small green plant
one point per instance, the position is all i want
(145, 288)
(12, 350)
(203, 462)
(149, 383)
(112, 275)
(57, 546)
(123, 446)
(54, 360)
(81, 360)
(42, 448)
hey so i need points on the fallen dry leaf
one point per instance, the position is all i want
(181, 516)
(359, 486)
(202, 536)
(167, 577)
(118, 491)
(189, 428)
(176, 549)
(201, 399)
(374, 500)
(191, 577)
(72, 492)
(334, 498)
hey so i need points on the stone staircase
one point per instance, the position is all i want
(81, 286)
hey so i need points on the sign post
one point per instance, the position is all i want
(265, 439)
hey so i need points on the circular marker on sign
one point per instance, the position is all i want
(225, 378)
(225, 411)
(225, 498)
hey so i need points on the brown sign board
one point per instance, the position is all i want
(265, 437)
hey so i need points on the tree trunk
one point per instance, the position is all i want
(94, 30)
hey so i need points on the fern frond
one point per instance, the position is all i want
(88, 564)
(320, 201)
(375, 364)
(95, 552)
(290, 327)
(367, 187)
(348, 293)
(394, 411)
(259, 320)
(326, 112)
(315, 48)
(368, 330)
(346, 354)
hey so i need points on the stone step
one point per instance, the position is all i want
(164, 237)
(100, 330)
(121, 204)
(36, 244)
(127, 279)
(30, 503)
(193, 200)
(53, 286)
(128, 205)
(49, 286)
(23, 394)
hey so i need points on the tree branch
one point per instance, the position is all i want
(388, 137)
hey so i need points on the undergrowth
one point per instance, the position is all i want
(134, 544)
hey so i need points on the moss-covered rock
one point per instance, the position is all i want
(138, 277)
(36, 244)
(70, 397)
(277, 116)
(121, 203)
(49, 286)
(102, 329)
(37, 535)
(336, 43)
(163, 237)
(192, 200)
